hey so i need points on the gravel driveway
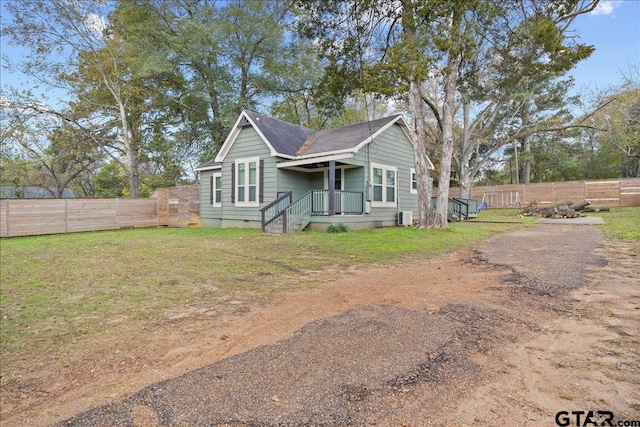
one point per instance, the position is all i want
(375, 362)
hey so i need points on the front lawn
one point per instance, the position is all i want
(65, 297)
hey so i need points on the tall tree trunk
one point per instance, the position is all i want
(466, 150)
(448, 106)
(134, 175)
(465, 181)
(132, 152)
(416, 106)
(420, 153)
(526, 144)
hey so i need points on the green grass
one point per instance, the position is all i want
(621, 224)
(65, 296)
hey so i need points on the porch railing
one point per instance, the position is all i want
(344, 202)
(472, 207)
(271, 214)
(458, 209)
(285, 216)
(298, 214)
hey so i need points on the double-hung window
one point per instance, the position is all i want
(216, 189)
(247, 182)
(384, 182)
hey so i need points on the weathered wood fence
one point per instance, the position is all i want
(171, 207)
(180, 206)
(608, 192)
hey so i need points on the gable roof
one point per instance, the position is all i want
(285, 138)
(297, 143)
(211, 164)
(346, 138)
(282, 138)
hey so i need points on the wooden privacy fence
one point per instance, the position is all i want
(180, 206)
(172, 207)
(608, 192)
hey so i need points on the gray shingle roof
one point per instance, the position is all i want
(293, 141)
(211, 164)
(343, 138)
(285, 138)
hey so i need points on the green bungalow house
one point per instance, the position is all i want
(284, 178)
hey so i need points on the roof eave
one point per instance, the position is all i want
(224, 150)
(206, 168)
(323, 157)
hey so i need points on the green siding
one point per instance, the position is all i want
(247, 144)
(297, 182)
(392, 148)
(209, 216)
(354, 179)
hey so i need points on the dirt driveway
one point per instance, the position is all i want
(532, 323)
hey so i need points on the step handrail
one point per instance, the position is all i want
(298, 214)
(277, 212)
(461, 206)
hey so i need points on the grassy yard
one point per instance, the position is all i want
(62, 294)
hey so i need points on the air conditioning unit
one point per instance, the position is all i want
(405, 218)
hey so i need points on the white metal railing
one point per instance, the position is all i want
(298, 215)
(282, 215)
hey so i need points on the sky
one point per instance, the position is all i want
(613, 28)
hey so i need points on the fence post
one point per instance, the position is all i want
(620, 192)
(8, 223)
(66, 215)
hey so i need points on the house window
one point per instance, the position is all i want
(247, 172)
(414, 183)
(383, 181)
(216, 189)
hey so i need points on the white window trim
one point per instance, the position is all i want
(413, 178)
(385, 169)
(246, 162)
(214, 189)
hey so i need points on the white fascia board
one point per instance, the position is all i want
(405, 128)
(226, 146)
(407, 131)
(352, 151)
(208, 168)
(349, 151)
(311, 160)
(224, 150)
(375, 135)
(264, 139)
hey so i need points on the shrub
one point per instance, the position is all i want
(337, 228)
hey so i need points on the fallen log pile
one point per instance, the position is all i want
(567, 209)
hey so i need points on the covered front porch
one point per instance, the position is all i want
(286, 215)
(315, 188)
